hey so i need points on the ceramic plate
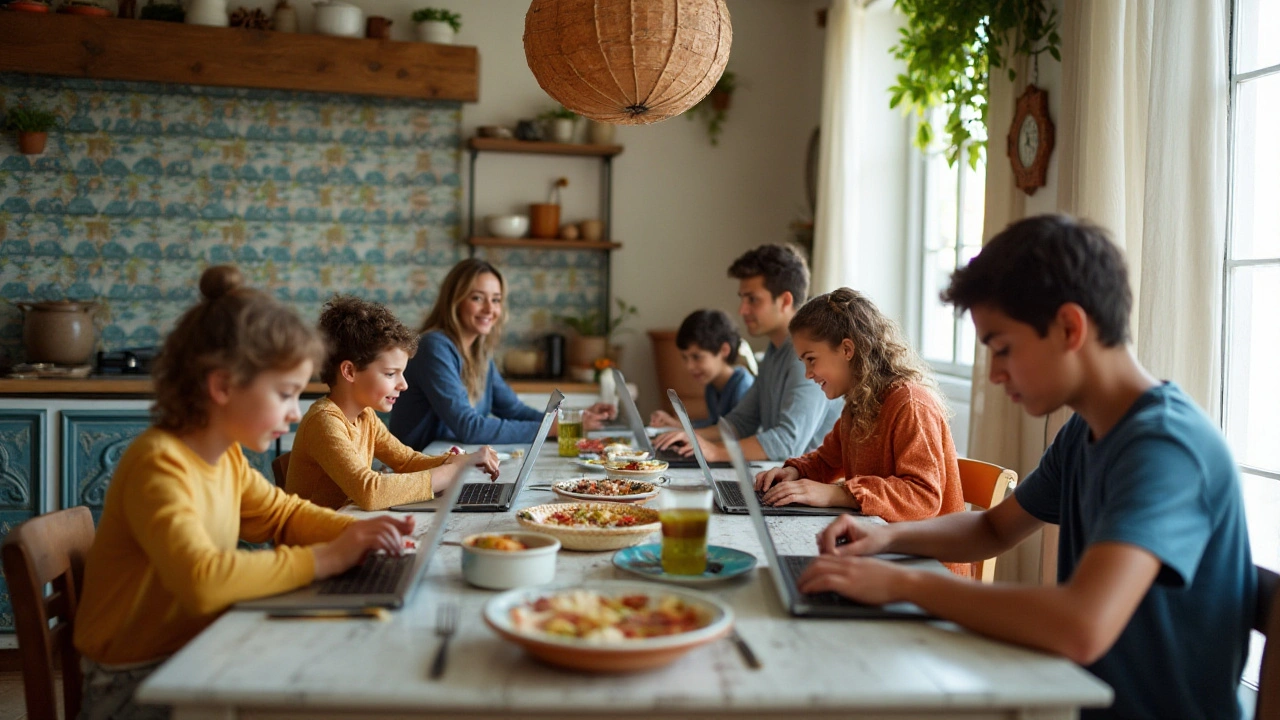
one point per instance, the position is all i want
(589, 463)
(656, 467)
(597, 656)
(641, 491)
(722, 563)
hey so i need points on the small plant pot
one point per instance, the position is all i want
(32, 143)
(720, 100)
(601, 133)
(435, 31)
(561, 130)
(544, 220)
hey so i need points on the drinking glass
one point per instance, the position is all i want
(570, 431)
(684, 512)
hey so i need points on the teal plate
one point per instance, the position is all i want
(722, 563)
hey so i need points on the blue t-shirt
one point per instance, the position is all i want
(436, 405)
(1164, 480)
(720, 402)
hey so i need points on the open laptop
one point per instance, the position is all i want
(631, 414)
(785, 569)
(727, 493)
(490, 496)
(380, 581)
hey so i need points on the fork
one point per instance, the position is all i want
(446, 626)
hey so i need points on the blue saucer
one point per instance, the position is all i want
(722, 563)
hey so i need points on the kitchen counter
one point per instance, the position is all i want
(126, 386)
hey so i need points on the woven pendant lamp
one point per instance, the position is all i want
(627, 62)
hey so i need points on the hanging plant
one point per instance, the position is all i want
(950, 48)
(714, 108)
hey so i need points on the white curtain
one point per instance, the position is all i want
(835, 219)
(1144, 154)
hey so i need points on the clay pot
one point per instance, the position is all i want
(544, 220)
(584, 350)
(591, 230)
(59, 332)
(377, 27)
(32, 143)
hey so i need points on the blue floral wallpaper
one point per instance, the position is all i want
(310, 194)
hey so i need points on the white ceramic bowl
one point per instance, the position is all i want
(339, 18)
(507, 226)
(506, 569)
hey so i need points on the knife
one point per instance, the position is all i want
(748, 656)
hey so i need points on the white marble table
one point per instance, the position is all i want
(245, 666)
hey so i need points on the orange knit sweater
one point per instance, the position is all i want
(905, 469)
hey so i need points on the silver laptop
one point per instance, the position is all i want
(785, 569)
(487, 495)
(727, 493)
(631, 415)
(380, 581)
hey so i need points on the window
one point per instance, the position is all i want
(1251, 337)
(950, 206)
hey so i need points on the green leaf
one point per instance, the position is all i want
(1054, 52)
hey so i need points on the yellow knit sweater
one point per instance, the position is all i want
(164, 562)
(332, 458)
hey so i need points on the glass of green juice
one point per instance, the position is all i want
(569, 431)
(685, 511)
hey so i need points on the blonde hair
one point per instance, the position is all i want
(881, 360)
(233, 328)
(444, 317)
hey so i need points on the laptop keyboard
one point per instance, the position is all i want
(795, 565)
(732, 494)
(480, 494)
(377, 575)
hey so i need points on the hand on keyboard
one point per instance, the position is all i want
(384, 532)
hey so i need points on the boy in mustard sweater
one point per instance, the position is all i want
(338, 438)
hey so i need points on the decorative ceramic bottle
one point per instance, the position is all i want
(608, 387)
(285, 18)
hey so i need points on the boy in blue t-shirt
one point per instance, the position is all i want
(1156, 586)
(708, 346)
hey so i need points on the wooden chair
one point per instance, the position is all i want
(1267, 622)
(280, 469)
(984, 486)
(48, 549)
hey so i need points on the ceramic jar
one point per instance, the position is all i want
(435, 31)
(285, 18)
(601, 133)
(339, 18)
(59, 332)
(207, 12)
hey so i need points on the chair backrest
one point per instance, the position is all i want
(1267, 622)
(984, 486)
(48, 549)
(280, 468)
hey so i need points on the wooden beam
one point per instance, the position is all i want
(153, 51)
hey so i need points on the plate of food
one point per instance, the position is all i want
(634, 468)
(608, 626)
(596, 445)
(607, 490)
(622, 453)
(592, 525)
(722, 563)
(589, 462)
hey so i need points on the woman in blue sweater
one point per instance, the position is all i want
(455, 391)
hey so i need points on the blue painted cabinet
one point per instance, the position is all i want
(22, 467)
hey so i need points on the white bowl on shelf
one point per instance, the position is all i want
(507, 226)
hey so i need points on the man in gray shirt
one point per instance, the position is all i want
(783, 415)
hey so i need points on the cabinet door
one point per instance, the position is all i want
(22, 465)
(93, 442)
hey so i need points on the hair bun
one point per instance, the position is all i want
(220, 280)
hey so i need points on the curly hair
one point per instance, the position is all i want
(233, 328)
(782, 266)
(444, 317)
(882, 359)
(359, 330)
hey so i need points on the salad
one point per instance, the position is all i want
(588, 615)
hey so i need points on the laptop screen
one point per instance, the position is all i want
(743, 472)
(687, 424)
(631, 413)
(530, 457)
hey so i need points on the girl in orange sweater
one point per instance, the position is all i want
(891, 452)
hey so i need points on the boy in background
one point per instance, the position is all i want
(708, 346)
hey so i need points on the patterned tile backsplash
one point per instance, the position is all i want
(310, 194)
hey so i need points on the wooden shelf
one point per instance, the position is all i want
(538, 244)
(153, 51)
(542, 148)
(141, 386)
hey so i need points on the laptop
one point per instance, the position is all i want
(488, 495)
(727, 493)
(785, 569)
(631, 414)
(380, 581)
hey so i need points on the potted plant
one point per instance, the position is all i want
(715, 106)
(592, 333)
(436, 25)
(560, 123)
(32, 126)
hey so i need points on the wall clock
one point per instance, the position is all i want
(1030, 141)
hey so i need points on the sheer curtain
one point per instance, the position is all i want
(835, 222)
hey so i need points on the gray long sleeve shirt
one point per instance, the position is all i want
(788, 414)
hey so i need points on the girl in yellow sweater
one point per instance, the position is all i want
(164, 563)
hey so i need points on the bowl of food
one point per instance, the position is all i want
(501, 561)
(608, 490)
(622, 453)
(608, 626)
(592, 526)
(596, 445)
(630, 469)
(507, 226)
